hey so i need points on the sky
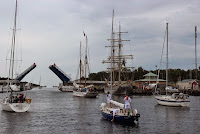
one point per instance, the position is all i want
(50, 31)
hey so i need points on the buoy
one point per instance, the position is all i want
(28, 101)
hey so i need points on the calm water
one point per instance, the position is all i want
(55, 112)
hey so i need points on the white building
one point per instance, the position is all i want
(188, 84)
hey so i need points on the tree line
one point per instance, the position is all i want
(174, 75)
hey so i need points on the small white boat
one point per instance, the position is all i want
(11, 105)
(176, 100)
(172, 96)
(14, 102)
(66, 88)
(87, 92)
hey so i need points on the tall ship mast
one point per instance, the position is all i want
(117, 63)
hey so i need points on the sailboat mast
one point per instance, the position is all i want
(119, 56)
(86, 60)
(112, 52)
(195, 29)
(12, 58)
(80, 65)
(40, 80)
(167, 58)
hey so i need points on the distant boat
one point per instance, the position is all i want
(65, 88)
(172, 96)
(14, 102)
(87, 91)
(118, 65)
(120, 116)
(40, 87)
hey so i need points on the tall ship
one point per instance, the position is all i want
(118, 64)
(84, 90)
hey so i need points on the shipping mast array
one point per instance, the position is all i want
(117, 60)
(86, 66)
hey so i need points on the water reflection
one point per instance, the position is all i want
(14, 121)
(53, 111)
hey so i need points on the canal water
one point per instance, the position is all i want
(55, 112)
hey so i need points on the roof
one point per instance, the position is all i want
(187, 80)
(150, 74)
(151, 80)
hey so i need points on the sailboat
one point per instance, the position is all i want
(14, 102)
(118, 64)
(65, 88)
(87, 91)
(121, 115)
(172, 97)
(40, 87)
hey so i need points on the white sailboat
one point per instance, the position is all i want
(40, 87)
(118, 61)
(87, 91)
(65, 88)
(121, 115)
(14, 102)
(172, 96)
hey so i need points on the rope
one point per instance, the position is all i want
(161, 59)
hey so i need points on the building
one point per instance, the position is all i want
(188, 84)
(149, 81)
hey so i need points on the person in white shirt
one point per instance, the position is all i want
(108, 97)
(113, 112)
(127, 100)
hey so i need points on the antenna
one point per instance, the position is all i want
(195, 30)
(167, 59)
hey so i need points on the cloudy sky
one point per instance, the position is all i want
(50, 32)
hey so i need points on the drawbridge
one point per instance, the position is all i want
(23, 74)
(64, 77)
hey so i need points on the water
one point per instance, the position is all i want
(55, 112)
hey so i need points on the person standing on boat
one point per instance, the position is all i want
(113, 112)
(127, 100)
(108, 96)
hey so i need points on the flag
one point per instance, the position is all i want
(123, 62)
(84, 33)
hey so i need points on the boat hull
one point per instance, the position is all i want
(66, 89)
(15, 107)
(167, 101)
(119, 90)
(85, 94)
(120, 119)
